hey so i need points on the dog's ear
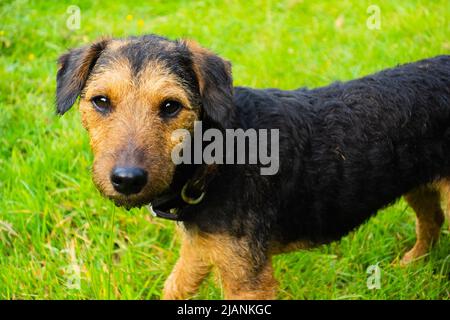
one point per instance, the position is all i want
(215, 84)
(74, 69)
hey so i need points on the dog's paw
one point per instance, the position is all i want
(411, 256)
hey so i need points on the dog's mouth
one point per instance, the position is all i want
(161, 199)
(129, 202)
(161, 202)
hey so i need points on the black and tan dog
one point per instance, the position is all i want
(345, 151)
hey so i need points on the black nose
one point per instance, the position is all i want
(128, 180)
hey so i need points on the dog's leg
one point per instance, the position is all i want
(444, 188)
(243, 275)
(429, 218)
(190, 270)
(244, 283)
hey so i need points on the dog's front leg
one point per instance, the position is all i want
(247, 284)
(190, 270)
(245, 275)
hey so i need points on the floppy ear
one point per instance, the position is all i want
(215, 84)
(74, 69)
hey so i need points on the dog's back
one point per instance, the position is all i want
(359, 145)
(377, 139)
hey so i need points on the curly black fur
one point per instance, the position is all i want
(346, 150)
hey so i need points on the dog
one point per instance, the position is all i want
(345, 151)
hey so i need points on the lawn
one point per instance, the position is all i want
(59, 239)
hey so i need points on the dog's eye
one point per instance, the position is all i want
(170, 108)
(101, 103)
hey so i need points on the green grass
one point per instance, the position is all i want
(52, 218)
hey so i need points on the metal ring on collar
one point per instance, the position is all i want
(188, 199)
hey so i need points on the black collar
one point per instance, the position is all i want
(170, 205)
(167, 206)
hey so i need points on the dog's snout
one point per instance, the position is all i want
(128, 180)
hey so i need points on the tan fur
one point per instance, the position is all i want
(190, 270)
(443, 186)
(426, 202)
(199, 55)
(116, 44)
(232, 261)
(135, 124)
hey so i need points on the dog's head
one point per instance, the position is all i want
(133, 94)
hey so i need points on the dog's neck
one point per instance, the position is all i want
(188, 189)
